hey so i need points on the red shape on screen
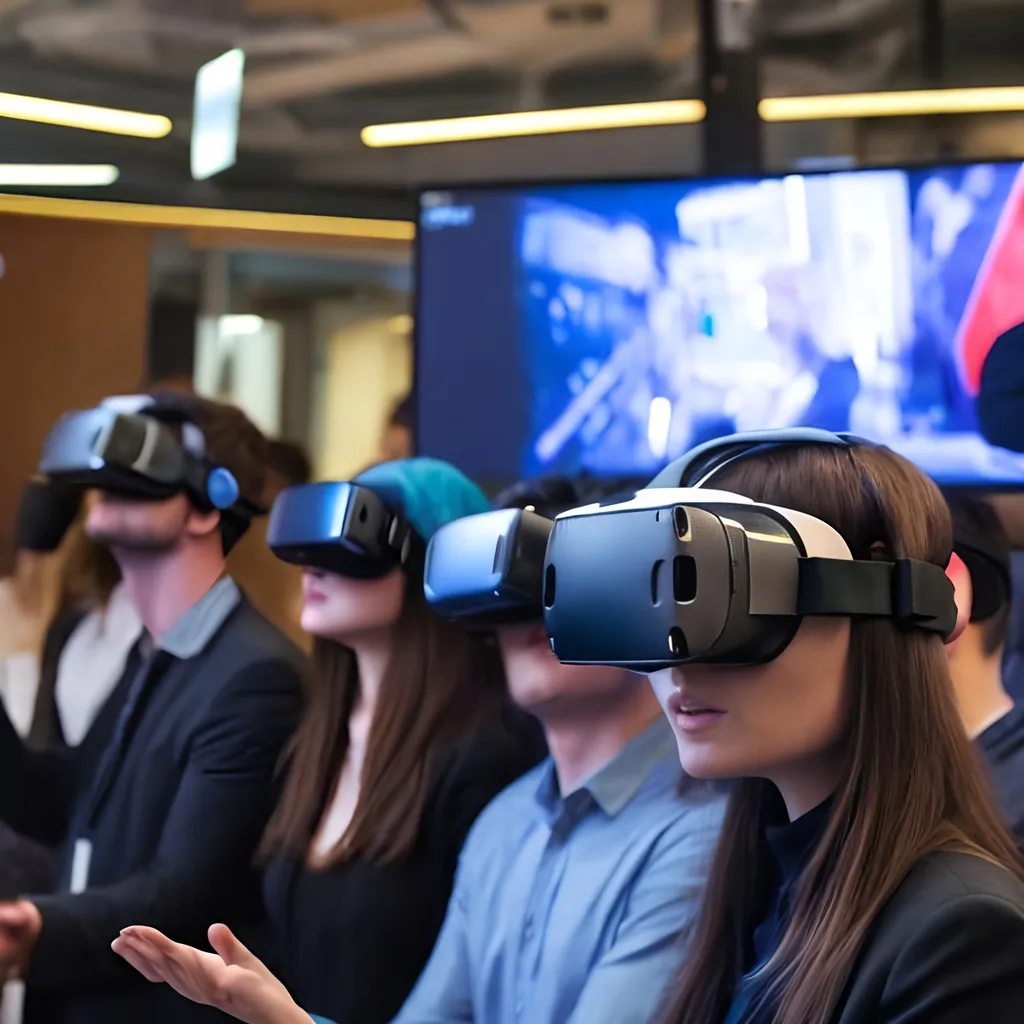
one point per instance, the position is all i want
(996, 302)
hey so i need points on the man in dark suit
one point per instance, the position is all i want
(159, 811)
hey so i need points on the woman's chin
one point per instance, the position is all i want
(703, 762)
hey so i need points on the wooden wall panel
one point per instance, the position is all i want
(73, 323)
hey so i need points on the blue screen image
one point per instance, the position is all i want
(608, 328)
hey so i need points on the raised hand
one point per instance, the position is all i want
(230, 979)
(20, 925)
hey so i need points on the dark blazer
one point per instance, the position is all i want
(947, 949)
(173, 833)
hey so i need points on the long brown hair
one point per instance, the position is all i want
(911, 783)
(88, 573)
(439, 685)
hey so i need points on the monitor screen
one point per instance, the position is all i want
(607, 328)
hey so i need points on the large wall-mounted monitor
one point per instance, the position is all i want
(606, 328)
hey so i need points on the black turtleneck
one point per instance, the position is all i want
(787, 849)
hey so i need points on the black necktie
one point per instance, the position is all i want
(147, 667)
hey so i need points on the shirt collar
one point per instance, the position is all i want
(987, 724)
(612, 786)
(196, 628)
(792, 843)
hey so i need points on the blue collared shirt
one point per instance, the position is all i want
(576, 908)
(191, 633)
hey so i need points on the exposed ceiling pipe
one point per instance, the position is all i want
(792, 77)
(829, 17)
(437, 54)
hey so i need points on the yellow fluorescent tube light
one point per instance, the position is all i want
(57, 175)
(78, 115)
(533, 122)
(892, 104)
(208, 217)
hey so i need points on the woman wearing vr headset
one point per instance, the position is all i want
(407, 736)
(863, 874)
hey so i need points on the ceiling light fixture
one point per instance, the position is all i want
(914, 103)
(57, 175)
(78, 115)
(533, 122)
(234, 324)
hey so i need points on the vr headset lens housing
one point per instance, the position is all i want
(488, 569)
(678, 582)
(676, 576)
(121, 453)
(338, 527)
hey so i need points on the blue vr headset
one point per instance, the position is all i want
(680, 573)
(127, 447)
(340, 527)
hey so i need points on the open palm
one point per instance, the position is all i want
(230, 979)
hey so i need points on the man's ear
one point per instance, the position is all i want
(963, 594)
(202, 524)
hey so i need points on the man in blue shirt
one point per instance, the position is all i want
(577, 887)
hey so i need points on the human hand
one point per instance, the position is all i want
(230, 979)
(20, 925)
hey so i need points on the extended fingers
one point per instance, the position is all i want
(139, 956)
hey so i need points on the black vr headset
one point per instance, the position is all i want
(342, 528)
(128, 447)
(677, 574)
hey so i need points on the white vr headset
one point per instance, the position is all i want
(676, 574)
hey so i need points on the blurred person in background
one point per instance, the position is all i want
(408, 734)
(86, 645)
(289, 466)
(992, 718)
(396, 441)
(273, 586)
(31, 600)
(82, 656)
(577, 887)
(159, 810)
(31, 594)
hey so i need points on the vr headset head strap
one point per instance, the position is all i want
(917, 595)
(697, 466)
(206, 481)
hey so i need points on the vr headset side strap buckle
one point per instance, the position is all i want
(922, 596)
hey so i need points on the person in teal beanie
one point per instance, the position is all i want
(429, 492)
(407, 736)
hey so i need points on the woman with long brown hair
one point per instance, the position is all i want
(407, 735)
(863, 874)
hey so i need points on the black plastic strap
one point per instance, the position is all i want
(689, 469)
(918, 595)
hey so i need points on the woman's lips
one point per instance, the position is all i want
(310, 593)
(693, 715)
